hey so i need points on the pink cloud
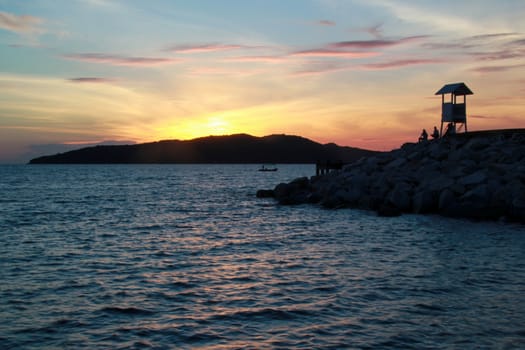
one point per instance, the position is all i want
(374, 44)
(19, 24)
(204, 48)
(519, 42)
(223, 71)
(321, 68)
(118, 60)
(334, 53)
(399, 64)
(91, 80)
(261, 59)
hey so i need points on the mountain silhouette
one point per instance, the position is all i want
(238, 148)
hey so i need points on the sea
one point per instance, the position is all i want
(186, 257)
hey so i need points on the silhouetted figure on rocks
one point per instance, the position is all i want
(424, 136)
(451, 129)
(435, 133)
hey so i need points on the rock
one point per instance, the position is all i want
(439, 183)
(265, 194)
(396, 163)
(400, 198)
(437, 152)
(446, 200)
(387, 210)
(302, 182)
(424, 202)
(477, 144)
(292, 193)
(478, 196)
(281, 190)
(474, 179)
(332, 201)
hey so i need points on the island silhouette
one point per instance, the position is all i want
(237, 148)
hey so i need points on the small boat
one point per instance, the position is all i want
(264, 168)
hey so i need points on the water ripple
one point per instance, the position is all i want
(154, 257)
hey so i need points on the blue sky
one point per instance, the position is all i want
(354, 72)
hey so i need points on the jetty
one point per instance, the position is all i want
(322, 168)
(476, 175)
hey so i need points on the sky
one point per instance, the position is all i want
(359, 73)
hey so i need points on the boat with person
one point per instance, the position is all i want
(268, 168)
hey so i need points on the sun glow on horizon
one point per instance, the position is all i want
(275, 69)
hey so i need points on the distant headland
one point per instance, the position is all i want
(478, 175)
(238, 148)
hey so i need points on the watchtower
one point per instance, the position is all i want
(454, 112)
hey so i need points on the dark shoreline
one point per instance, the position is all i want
(478, 175)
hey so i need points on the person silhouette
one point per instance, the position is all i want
(435, 133)
(424, 136)
(451, 129)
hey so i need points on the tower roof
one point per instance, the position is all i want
(456, 89)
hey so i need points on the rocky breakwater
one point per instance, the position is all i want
(478, 175)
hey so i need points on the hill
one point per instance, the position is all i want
(238, 148)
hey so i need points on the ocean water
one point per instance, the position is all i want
(186, 257)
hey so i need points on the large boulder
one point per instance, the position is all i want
(399, 198)
(295, 192)
(475, 178)
(424, 202)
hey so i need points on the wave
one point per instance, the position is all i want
(130, 311)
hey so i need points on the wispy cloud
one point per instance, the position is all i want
(497, 69)
(376, 31)
(499, 55)
(204, 48)
(413, 12)
(326, 23)
(20, 24)
(334, 53)
(255, 59)
(355, 48)
(475, 41)
(489, 36)
(459, 45)
(223, 71)
(118, 60)
(320, 68)
(519, 42)
(476, 116)
(400, 63)
(95, 80)
(374, 44)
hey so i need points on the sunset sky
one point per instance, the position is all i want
(358, 73)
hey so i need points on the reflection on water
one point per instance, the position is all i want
(187, 257)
